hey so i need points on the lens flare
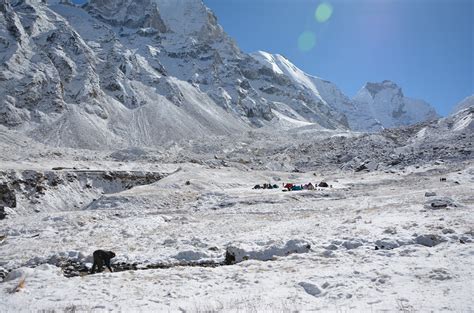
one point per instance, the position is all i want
(323, 12)
(306, 41)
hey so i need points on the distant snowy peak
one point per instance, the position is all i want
(325, 91)
(386, 103)
(280, 65)
(316, 93)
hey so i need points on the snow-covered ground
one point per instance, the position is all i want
(170, 221)
(144, 134)
(389, 235)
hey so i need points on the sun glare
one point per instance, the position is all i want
(323, 12)
(306, 41)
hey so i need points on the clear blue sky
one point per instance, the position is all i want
(425, 46)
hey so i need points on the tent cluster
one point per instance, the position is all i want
(308, 186)
(293, 187)
(266, 186)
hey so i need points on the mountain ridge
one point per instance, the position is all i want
(106, 71)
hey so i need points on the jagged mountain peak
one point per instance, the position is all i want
(386, 102)
(386, 85)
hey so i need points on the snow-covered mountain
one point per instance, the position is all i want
(467, 102)
(461, 121)
(386, 103)
(354, 117)
(121, 72)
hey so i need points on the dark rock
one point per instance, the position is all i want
(229, 258)
(3, 273)
(361, 168)
(71, 177)
(7, 196)
(387, 244)
(108, 176)
(395, 162)
(55, 181)
(440, 203)
(40, 189)
(323, 184)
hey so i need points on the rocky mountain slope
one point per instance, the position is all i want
(141, 73)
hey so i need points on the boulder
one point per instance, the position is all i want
(352, 244)
(311, 289)
(386, 244)
(429, 240)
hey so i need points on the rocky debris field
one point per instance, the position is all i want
(448, 140)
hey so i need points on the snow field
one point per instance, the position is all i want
(341, 271)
